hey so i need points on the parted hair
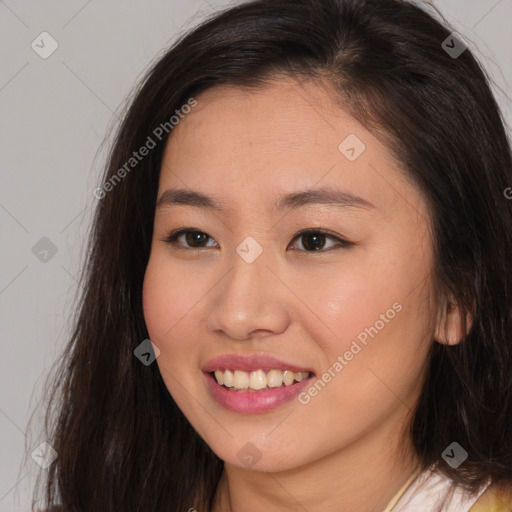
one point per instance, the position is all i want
(122, 442)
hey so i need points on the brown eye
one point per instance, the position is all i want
(315, 240)
(193, 239)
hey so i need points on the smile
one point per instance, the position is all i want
(254, 384)
(259, 380)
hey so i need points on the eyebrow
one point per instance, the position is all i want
(325, 195)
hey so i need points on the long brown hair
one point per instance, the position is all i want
(122, 443)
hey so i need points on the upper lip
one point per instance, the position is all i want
(250, 363)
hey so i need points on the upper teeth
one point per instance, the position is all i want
(258, 379)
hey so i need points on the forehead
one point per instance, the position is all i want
(280, 118)
(253, 144)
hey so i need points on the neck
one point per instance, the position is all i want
(362, 476)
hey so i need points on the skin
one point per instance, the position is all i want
(247, 148)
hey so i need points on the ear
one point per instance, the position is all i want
(449, 328)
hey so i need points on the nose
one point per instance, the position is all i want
(250, 302)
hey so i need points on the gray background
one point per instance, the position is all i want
(55, 113)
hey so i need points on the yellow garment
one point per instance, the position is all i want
(493, 500)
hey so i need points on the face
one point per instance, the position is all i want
(302, 280)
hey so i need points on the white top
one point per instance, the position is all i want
(428, 491)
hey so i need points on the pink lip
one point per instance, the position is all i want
(256, 402)
(250, 364)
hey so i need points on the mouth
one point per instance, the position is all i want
(254, 384)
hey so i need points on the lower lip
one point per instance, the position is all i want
(260, 401)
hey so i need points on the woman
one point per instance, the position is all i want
(304, 211)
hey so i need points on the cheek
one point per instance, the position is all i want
(168, 300)
(159, 302)
(342, 304)
(166, 306)
(379, 321)
(169, 297)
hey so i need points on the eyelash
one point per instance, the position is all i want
(172, 239)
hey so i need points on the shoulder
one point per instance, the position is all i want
(494, 499)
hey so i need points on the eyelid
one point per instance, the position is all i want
(342, 242)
